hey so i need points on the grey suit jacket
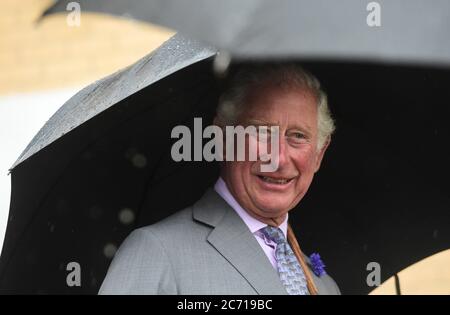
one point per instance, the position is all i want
(203, 249)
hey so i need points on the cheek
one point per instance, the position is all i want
(254, 149)
(258, 150)
(304, 160)
(241, 171)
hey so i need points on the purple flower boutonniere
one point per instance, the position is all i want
(317, 264)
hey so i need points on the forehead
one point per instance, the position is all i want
(280, 104)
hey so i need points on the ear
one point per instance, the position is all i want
(321, 153)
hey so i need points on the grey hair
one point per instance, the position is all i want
(287, 75)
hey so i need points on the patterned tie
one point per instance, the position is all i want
(290, 272)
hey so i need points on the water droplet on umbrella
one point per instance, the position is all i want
(130, 152)
(221, 63)
(139, 160)
(126, 216)
(109, 250)
(435, 234)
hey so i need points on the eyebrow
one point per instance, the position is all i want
(258, 122)
(306, 128)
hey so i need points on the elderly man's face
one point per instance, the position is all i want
(267, 195)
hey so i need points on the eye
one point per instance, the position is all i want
(297, 137)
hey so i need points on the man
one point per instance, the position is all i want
(234, 239)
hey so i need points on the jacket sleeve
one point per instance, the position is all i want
(140, 266)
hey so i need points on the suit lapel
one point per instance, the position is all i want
(234, 241)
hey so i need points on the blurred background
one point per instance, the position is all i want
(44, 63)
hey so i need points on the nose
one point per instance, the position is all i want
(283, 154)
(279, 154)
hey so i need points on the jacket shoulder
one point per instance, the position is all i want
(143, 250)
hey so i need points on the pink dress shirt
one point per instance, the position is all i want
(253, 224)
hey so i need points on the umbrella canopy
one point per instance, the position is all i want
(78, 186)
(410, 31)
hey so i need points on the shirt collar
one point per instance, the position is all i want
(253, 224)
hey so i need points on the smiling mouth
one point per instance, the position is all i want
(278, 181)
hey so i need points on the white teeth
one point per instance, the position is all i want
(275, 181)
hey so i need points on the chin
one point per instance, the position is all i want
(273, 204)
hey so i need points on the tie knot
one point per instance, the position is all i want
(274, 234)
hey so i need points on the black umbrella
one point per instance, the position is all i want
(80, 185)
(410, 31)
(380, 196)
